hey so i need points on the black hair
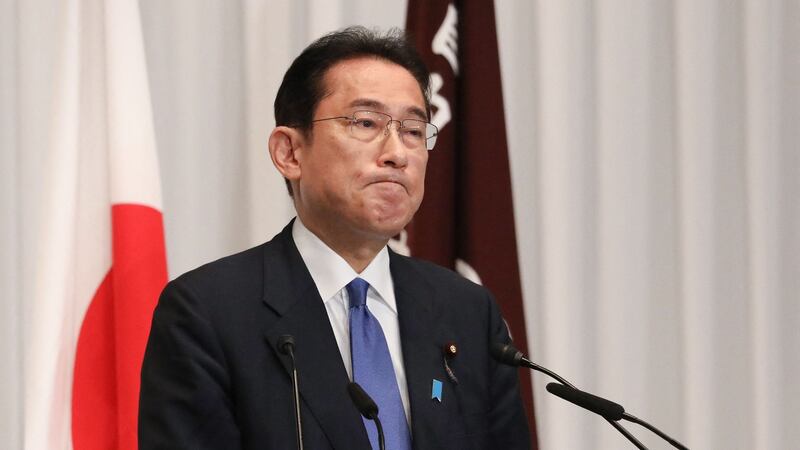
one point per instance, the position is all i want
(302, 88)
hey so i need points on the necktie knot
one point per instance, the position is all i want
(357, 291)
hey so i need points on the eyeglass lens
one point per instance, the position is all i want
(414, 133)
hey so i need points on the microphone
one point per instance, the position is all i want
(286, 346)
(595, 404)
(367, 407)
(606, 408)
(509, 355)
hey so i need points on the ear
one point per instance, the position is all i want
(284, 143)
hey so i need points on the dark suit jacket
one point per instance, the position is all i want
(213, 378)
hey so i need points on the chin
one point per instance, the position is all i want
(387, 227)
(387, 230)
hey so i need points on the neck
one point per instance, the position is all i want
(357, 250)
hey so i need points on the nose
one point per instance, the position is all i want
(393, 152)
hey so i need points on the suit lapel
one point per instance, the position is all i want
(423, 336)
(290, 291)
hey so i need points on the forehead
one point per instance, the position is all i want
(389, 87)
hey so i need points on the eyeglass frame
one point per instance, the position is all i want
(399, 128)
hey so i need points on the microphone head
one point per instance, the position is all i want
(506, 354)
(286, 343)
(595, 404)
(364, 403)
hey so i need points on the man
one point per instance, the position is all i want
(352, 142)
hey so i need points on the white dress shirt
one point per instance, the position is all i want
(331, 273)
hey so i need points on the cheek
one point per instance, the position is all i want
(339, 180)
(419, 175)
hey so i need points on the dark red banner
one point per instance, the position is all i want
(466, 220)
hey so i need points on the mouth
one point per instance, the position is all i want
(389, 181)
(390, 188)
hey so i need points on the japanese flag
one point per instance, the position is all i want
(101, 258)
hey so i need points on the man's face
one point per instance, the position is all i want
(363, 190)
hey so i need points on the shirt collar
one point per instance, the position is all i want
(331, 272)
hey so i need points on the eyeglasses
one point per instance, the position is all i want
(367, 125)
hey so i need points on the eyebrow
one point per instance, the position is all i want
(378, 106)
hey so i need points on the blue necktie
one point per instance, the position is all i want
(373, 370)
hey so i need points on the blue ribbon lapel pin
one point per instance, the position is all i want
(436, 390)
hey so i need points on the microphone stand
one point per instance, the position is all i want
(381, 443)
(367, 407)
(507, 354)
(606, 408)
(661, 434)
(286, 346)
(525, 362)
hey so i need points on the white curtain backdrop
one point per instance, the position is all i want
(656, 173)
